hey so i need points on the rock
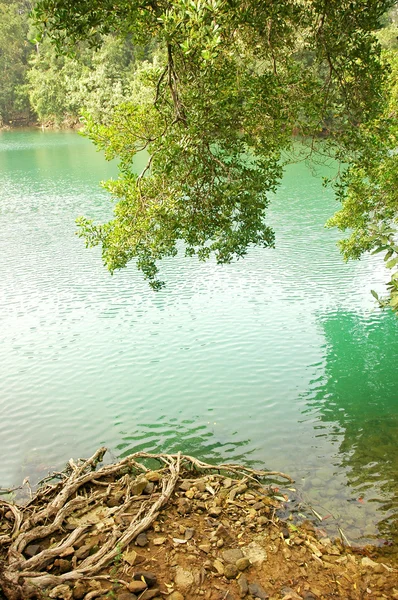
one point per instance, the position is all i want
(62, 565)
(123, 595)
(255, 553)
(132, 558)
(139, 485)
(243, 586)
(257, 591)
(79, 591)
(148, 576)
(258, 505)
(289, 594)
(82, 552)
(61, 591)
(149, 594)
(242, 563)
(149, 488)
(142, 540)
(183, 579)
(159, 541)
(214, 511)
(184, 506)
(32, 550)
(367, 562)
(205, 547)
(190, 494)
(185, 485)
(231, 556)
(189, 533)
(153, 476)
(230, 571)
(219, 566)
(175, 596)
(137, 586)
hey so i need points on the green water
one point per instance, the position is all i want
(279, 360)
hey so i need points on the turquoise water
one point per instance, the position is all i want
(279, 360)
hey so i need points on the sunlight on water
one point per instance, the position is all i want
(280, 359)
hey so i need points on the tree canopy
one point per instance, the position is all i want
(230, 86)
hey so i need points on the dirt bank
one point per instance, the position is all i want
(162, 526)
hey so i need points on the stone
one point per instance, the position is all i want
(153, 476)
(257, 591)
(205, 547)
(258, 505)
(142, 540)
(289, 594)
(255, 553)
(79, 590)
(175, 596)
(139, 485)
(243, 586)
(159, 541)
(148, 576)
(137, 586)
(149, 488)
(232, 555)
(218, 566)
(62, 565)
(367, 562)
(123, 595)
(220, 543)
(62, 591)
(183, 579)
(185, 485)
(230, 571)
(184, 506)
(214, 511)
(242, 563)
(32, 550)
(190, 494)
(149, 594)
(189, 533)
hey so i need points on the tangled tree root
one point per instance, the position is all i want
(87, 501)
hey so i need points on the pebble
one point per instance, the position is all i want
(231, 556)
(243, 586)
(257, 591)
(214, 511)
(230, 571)
(189, 533)
(242, 563)
(218, 566)
(149, 577)
(137, 586)
(142, 540)
(159, 541)
(205, 547)
(184, 506)
(183, 579)
(175, 596)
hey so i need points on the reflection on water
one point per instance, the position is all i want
(357, 403)
(280, 359)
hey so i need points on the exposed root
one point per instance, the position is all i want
(89, 502)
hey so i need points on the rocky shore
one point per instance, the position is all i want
(183, 531)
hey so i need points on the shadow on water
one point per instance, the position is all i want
(357, 405)
(189, 437)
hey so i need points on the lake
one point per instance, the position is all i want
(280, 360)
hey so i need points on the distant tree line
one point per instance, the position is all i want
(39, 85)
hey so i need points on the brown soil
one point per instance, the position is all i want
(183, 532)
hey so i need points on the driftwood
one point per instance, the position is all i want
(65, 513)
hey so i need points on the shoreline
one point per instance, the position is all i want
(171, 526)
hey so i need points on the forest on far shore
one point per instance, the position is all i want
(40, 86)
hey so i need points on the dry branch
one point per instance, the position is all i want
(73, 502)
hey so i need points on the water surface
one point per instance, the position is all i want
(280, 359)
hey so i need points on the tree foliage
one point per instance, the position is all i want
(14, 52)
(234, 81)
